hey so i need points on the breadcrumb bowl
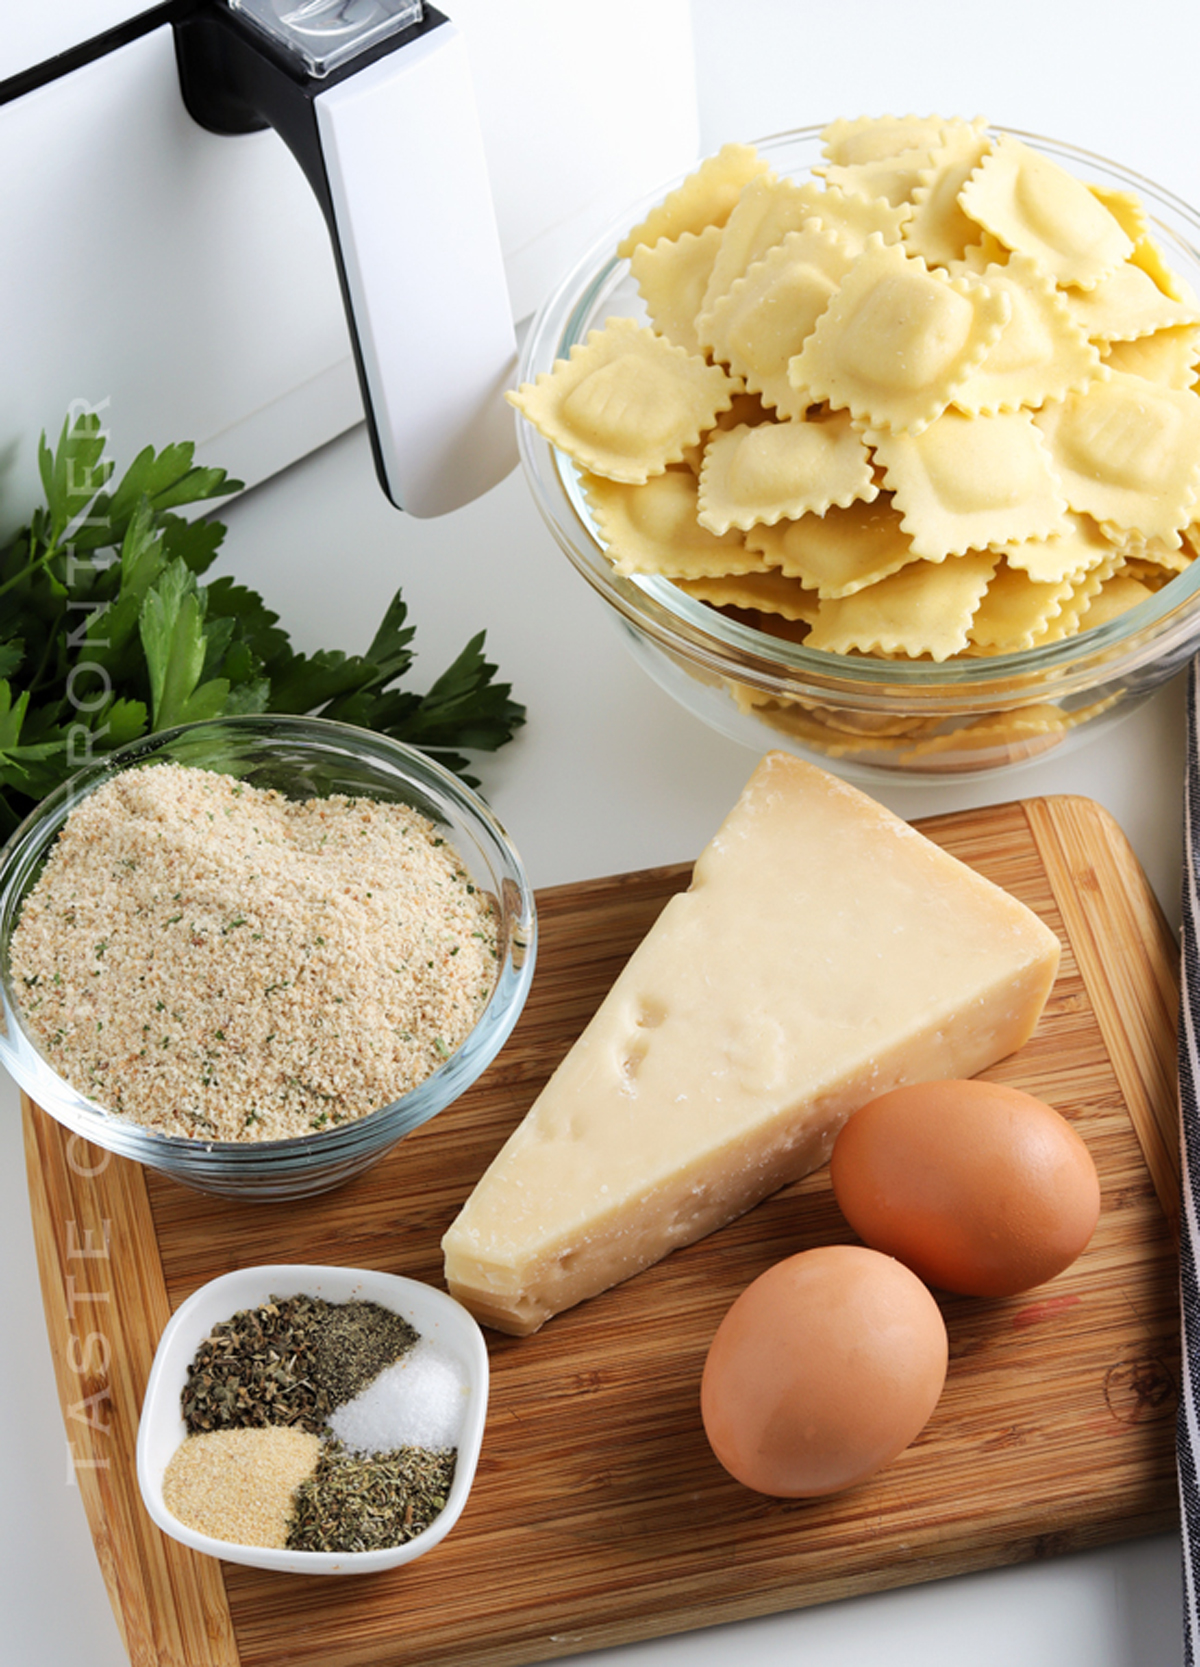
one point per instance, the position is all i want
(751, 674)
(430, 1311)
(300, 759)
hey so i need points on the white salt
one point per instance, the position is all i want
(419, 1401)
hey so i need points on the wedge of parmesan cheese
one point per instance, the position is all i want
(825, 952)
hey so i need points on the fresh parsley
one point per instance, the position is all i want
(107, 632)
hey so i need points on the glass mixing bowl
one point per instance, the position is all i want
(872, 718)
(301, 758)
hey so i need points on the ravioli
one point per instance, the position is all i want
(763, 321)
(1035, 206)
(972, 483)
(844, 550)
(782, 470)
(653, 527)
(1127, 453)
(706, 198)
(937, 227)
(897, 340)
(672, 278)
(1042, 353)
(925, 609)
(627, 403)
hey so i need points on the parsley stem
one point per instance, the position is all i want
(31, 567)
(38, 677)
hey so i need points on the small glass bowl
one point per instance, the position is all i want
(429, 1311)
(301, 758)
(872, 718)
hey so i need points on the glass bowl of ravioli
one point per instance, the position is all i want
(254, 953)
(881, 439)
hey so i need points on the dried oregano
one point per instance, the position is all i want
(257, 1368)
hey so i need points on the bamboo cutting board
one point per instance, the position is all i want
(598, 1514)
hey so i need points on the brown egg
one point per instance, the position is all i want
(822, 1371)
(978, 1188)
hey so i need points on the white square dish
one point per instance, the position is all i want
(430, 1311)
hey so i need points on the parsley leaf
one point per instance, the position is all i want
(108, 633)
(171, 626)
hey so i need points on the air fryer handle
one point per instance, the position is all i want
(392, 147)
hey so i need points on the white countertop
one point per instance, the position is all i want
(610, 774)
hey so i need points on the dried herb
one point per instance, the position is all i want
(290, 1361)
(356, 1341)
(362, 1502)
(258, 1368)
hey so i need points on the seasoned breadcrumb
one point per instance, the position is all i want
(213, 960)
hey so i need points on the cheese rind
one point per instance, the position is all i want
(825, 953)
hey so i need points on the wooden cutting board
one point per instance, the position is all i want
(598, 1514)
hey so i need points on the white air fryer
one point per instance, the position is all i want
(251, 223)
